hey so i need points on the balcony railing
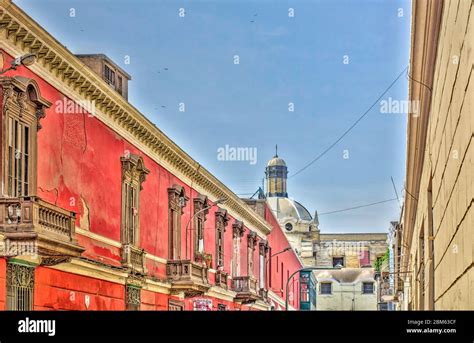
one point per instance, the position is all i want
(187, 276)
(245, 288)
(222, 279)
(50, 228)
(133, 258)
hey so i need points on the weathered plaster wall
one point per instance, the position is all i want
(351, 248)
(346, 297)
(448, 162)
(56, 290)
(79, 169)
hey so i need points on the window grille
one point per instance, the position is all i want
(133, 299)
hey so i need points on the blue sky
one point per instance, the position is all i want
(282, 60)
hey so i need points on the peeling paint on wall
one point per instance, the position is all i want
(84, 220)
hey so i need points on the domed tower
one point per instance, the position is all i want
(276, 173)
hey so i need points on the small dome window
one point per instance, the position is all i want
(288, 226)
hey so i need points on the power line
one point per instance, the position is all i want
(406, 191)
(356, 207)
(421, 83)
(352, 126)
(396, 193)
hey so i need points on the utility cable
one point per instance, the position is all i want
(356, 207)
(351, 127)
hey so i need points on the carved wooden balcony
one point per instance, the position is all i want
(187, 276)
(133, 258)
(222, 279)
(49, 228)
(245, 288)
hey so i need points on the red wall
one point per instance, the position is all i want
(56, 290)
(79, 161)
(278, 242)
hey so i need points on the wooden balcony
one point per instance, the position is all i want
(222, 279)
(187, 276)
(133, 258)
(49, 228)
(245, 288)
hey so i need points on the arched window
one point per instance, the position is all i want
(22, 109)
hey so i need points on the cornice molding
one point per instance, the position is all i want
(59, 67)
(88, 269)
(220, 293)
(426, 18)
(98, 237)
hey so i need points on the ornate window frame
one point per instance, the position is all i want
(177, 200)
(368, 287)
(238, 230)
(263, 249)
(201, 209)
(251, 244)
(22, 109)
(323, 290)
(134, 174)
(222, 219)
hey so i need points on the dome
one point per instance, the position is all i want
(276, 161)
(289, 208)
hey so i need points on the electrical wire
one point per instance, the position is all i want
(396, 193)
(421, 83)
(411, 195)
(351, 127)
(356, 207)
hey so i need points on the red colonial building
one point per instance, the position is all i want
(99, 210)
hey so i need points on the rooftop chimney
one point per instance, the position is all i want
(111, 73)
